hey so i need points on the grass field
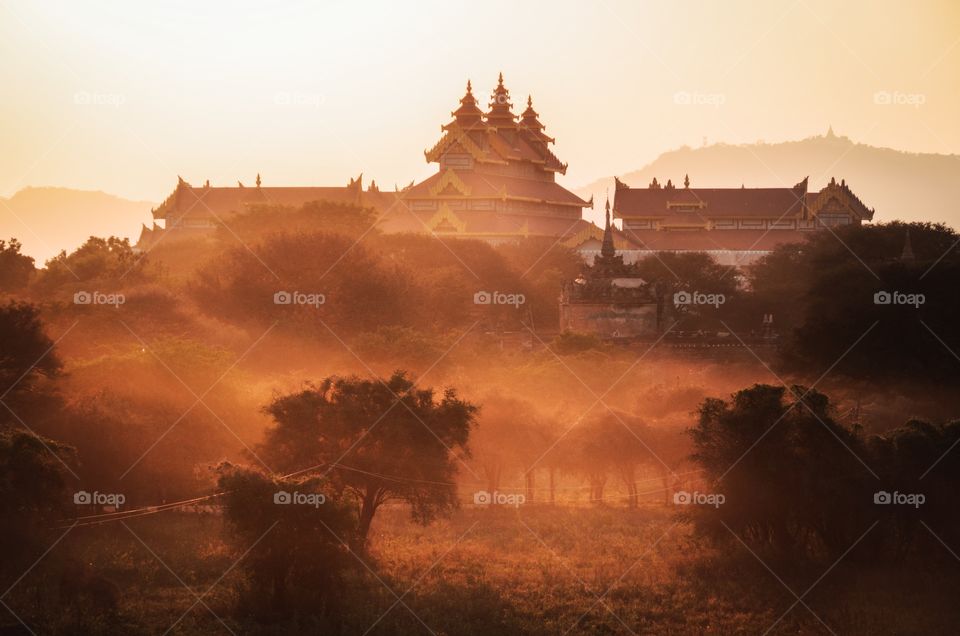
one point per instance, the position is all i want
(535, 570)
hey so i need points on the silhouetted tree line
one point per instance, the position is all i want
(798, 483)
(822, 294)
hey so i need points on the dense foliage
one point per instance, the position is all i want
(796, 481)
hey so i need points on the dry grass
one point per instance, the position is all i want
(534, 570)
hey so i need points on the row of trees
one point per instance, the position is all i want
(405, 288)
(515, 442)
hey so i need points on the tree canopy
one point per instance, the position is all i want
(378, 439)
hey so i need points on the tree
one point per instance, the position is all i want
(26, 358)
(341, 285)
(98, 261)
(296, 533)
(692, 273)
(510, 436)
(33, 497)
(918, 458)
(16, 269)
(546, 264)
(613, 442)
(824, 296)
(793, 479)
(379, 440)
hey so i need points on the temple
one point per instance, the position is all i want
(736, 226)
(496, 180)
(610, 299)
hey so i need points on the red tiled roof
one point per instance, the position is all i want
(716, 202)
(189, 201)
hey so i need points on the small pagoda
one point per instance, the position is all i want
(610, 298)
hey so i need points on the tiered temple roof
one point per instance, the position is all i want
(496, 137)
(496, 179)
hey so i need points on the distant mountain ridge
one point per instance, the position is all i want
(49, 219)
(898, 185)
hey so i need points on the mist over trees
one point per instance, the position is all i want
(196, 384)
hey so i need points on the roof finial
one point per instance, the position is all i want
(469, 87)
(686, 181)
(258, 179)
(500, 114)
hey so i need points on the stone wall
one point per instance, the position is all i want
(610, 321)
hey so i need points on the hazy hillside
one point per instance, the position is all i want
(899, 185)
(47, 220)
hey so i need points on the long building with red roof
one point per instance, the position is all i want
(734, 225)
(190, 210)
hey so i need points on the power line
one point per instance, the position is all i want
(97, 519)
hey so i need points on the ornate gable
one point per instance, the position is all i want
(455, 135)
(837, 199)
(450, 184)
(446, 222)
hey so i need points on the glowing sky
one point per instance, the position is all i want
(124, 96)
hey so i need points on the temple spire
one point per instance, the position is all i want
(468, 115)
(500, 114)
(529, 120)
(607, 249)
